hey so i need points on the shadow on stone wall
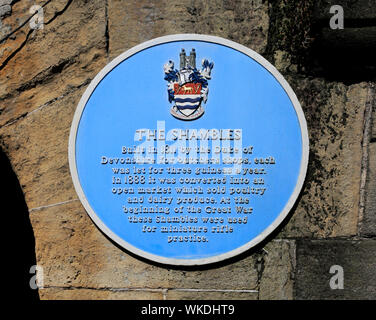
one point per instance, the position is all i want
(18, 239)
(300, 35)
(343, 55)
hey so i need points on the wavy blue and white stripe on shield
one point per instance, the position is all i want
(187, 102)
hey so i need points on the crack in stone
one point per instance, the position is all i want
(52, 205)
(23, 23)
(13, 54)
(9, 122)
(59, 13)
(6, 61)
(44, 75)
(40, 78)
(24, 115)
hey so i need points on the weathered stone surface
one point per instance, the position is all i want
(278, 269)
(37, 146)
(5, 10)
(289, 32)
(19, 16)
(329, 202)
(133, 22)
(74, 74)
(368, 225)
(52, 61)
(210, 295)
(74, 252)
(93, 294)
(5, 2)
(314, 259)
(358, 9)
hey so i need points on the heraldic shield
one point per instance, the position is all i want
(188, 87)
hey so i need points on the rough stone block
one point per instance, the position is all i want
(329, 201)
(315, 258)
(37, 147)
(74, 253)
(5, 10)
(133, 22)
(12, 24)
(277, 271)
(38, 66)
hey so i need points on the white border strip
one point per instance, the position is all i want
(188, 37)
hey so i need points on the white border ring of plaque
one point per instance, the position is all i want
(186, 38)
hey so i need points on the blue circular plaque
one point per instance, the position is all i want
(188, 149)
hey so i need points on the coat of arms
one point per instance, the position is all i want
(188, 87)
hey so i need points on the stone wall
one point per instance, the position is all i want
(43, 74)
